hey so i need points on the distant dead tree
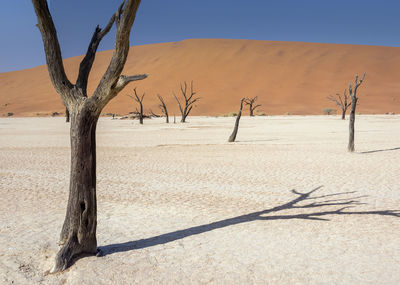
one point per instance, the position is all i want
(341, 102)
(78, 234)
(328, 111)
(235, 130)
(252, 107)
(152, 114)
(140, 101)
(163, 108)
(66, 115)
(189, 101)
(354, 99)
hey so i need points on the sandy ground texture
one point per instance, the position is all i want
(177, 204)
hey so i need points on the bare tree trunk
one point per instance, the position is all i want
(354, 99)
(343, 114)
(66, 115)
(141, 114)
(350, 146)
(235, 130)
(78, 234)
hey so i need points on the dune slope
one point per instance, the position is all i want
(290, 77)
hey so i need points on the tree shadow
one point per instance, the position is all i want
(319, 214)
(379, 150)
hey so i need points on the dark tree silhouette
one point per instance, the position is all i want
(341, 102)
(163, 108)
(189, 100)
(235, 129)
(140, 101)
(354, 99)
(78, 234)
(152, 114)
(66, 115)
(252, 107)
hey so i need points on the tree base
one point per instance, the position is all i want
(70, 251)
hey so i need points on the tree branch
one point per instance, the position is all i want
(111, 79)
(330, 97)
(52, 50)
(125, 80)
(179, 104)
(87, 62)
(256, 106)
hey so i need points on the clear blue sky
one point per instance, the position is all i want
(363, 22)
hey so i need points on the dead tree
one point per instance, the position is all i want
(152, 114)
(140, 101)
(189, 101)
(252, 107)
(235, 130)
(78, 234)
(342, 103)
(66, 115)
(354, 99)
(163, 108)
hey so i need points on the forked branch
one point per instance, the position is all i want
(87, 62)
(138, 99)
(111, 79)
(52, 50)
(252, 106)
(341, 102)
(163, 107)
(188, 99)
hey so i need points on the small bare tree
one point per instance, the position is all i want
(252, 107)
(235, 130)
(152, 114)
(163, 108)
(78, 234)
(354, 99)
(189, 101)
(341, 102)
(140, 101)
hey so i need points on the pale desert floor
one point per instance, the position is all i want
(177, 204)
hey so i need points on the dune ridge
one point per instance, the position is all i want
(294, 77)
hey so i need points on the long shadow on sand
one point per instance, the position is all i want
(379, 150)
(317, 202)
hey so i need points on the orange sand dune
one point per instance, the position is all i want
(290, 77)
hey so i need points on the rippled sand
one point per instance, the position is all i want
(285, 204)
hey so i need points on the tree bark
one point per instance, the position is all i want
(66, 115)
(235, 129)
(354, 99)
(251, 110)
(141, 114)
(343, 114)
(78, 234)
(350, 146)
